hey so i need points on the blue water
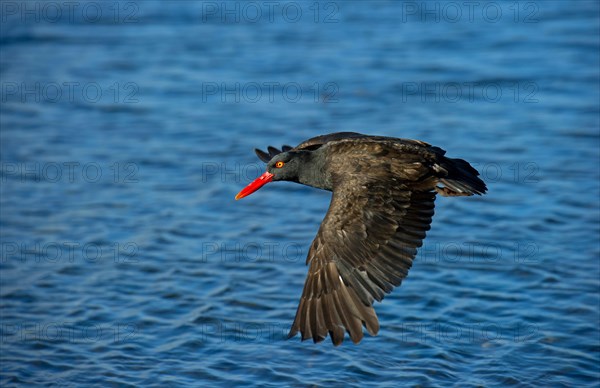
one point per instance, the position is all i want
(125, 136)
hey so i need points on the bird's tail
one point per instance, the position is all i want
(460, 179)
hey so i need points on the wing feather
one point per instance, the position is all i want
(365, 245)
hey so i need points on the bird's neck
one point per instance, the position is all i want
(314, 172)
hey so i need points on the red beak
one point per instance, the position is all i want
(255, 185)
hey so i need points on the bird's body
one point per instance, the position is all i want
(381, 207)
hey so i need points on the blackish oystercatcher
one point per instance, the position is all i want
(381, 207)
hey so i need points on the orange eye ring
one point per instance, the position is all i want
(279, 164)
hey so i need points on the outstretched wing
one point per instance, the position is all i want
(379, 213)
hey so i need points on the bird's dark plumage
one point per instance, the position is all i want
(381, 208)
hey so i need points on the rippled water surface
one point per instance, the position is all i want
(124, 138)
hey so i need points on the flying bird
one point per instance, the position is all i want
(381, 207)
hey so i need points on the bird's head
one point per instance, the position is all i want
(284, 166)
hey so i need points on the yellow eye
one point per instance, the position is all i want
(279, 164)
